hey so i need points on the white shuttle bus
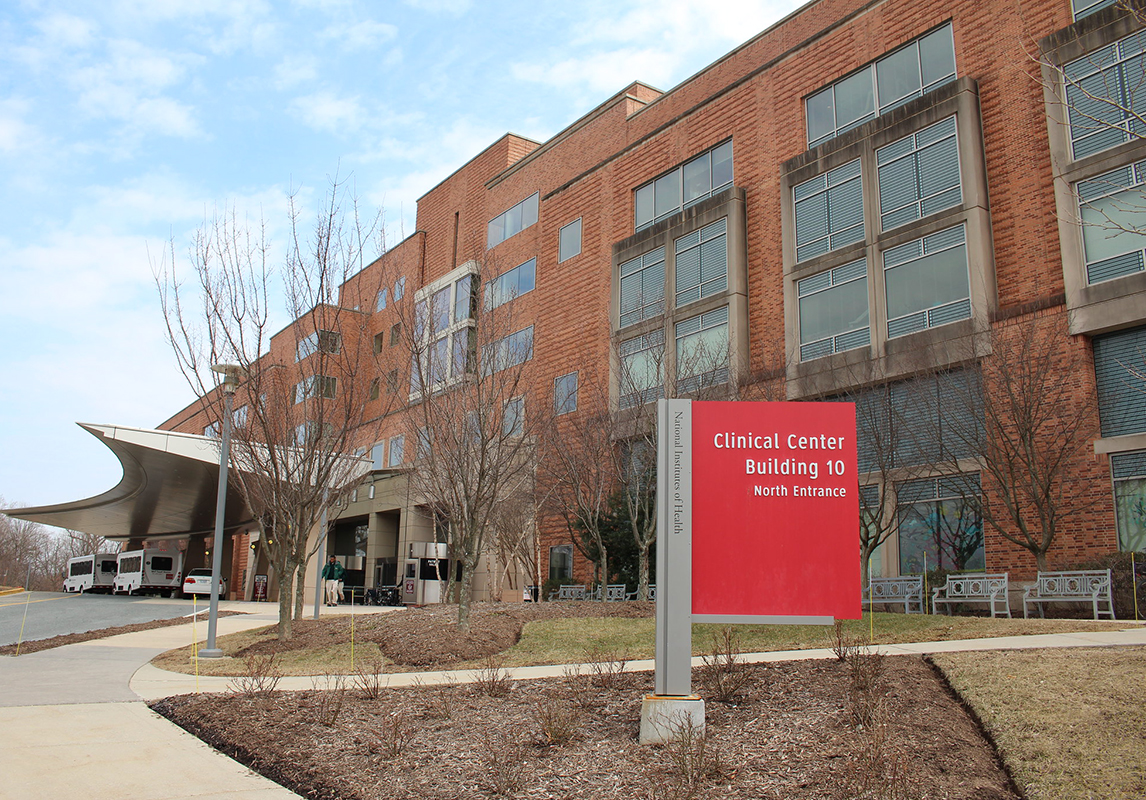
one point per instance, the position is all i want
(95, 573)
(150, 571)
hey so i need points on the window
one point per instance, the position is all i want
(642, 377)
(213, 430)
(691, 182)
(829, 211)
(324, 341)
(919, 175)
(381, 302)
(423, 443)
(565, 393)
(702, 351)
(569, 241)
(702, 263)
(310, 433)
(512, 222)
(513, 418)
(399, 288)
(1129, 471)
(315, 386)
(379, 340)
(374, 389)
(1084, 8)
(162, 563)
(395, 333)
(392, 381)
(444, 331)
(1106, 96)
(927, 283)
(1111, 210)
(561, 562)
(833, 309)
(377, 454)
(909, 72)
(1119, 362)
(940, 524)
(643, 287)
(517, 348)
(510, 284)
(397, 445)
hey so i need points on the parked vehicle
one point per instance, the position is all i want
(198, 581)
(94, 573)
(149, 571)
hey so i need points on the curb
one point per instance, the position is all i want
(5, 592)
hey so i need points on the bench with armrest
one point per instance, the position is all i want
(1078, 586)
(905, 590)
(652, 593)
(569, 592)
(977, 587)
(615, 592)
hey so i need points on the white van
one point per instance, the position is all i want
(147, 571)
(95, 573)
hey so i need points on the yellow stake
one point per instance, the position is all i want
(352, 631)
(195, 638)
(1134, 583)
(870, 607)
(27, 602)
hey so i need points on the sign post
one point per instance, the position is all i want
(757, 523)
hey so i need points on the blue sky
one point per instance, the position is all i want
(124, 122)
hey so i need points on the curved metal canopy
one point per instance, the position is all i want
(168, 490)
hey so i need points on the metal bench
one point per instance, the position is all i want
(904, 590)
(1079, 586)
(569, 592)
(979, 587)
(615, 592)
(652, 593)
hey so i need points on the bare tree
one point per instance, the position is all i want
(302, 405)
(473, 411)
(510, 551)
(34, 554)
(1032, 423)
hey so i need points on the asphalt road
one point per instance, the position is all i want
(55, 613)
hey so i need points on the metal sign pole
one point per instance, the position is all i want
(674, 548)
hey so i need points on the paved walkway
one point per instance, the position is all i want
(73, 720)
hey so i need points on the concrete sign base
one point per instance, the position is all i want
(666, 718)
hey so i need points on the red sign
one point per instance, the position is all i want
(775, 509)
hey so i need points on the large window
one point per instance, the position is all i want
(1084, 8)
(834, 311)
(912, 70)
(919, 175)
(380, 303)
(940, 524)
(643, 287)
(569, 241)
(927, 283)
(702, 262)
(444, 331)
(513, 418)
(829, 211)
(561, 562)
(702, 351)
(517, 348)
(1106, 96)
(512, 222)
(1112, 210)
(315, 386)
(641, 376)
(1129, 470)
(1119, 364)
(397, 448)
(325, 341)
(510, 284)
(689, 183)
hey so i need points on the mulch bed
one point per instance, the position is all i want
(790, 732)
(35, 645)
(427, 637)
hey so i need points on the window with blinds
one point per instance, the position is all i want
(919, 175)
(1129, 472)
(643, 287)
(641, 377)
(1106, 96)
(834, 311)
(1111, 208)
(702, 351)
(927, 283)
(702, 263)
(829, 211)
(1119, 363)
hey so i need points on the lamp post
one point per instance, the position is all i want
(231, 374)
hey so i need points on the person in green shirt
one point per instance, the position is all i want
(332, 575)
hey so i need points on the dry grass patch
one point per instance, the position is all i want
(1070, 724)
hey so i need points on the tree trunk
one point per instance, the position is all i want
(643, 571)
(1041, 560)
(283, 578)
(464, 595)
(604, 573)
(299, 589)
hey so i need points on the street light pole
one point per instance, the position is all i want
(230, 373)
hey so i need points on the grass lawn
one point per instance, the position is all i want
(582, 639)
(1070, 724)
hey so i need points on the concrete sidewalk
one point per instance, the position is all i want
(73, 719)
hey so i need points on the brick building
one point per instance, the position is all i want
(880, 202)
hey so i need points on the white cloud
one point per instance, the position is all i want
(66, 31)
(360, 35)
(295, 70)
(325, 111)
(16, 134)
(454, 7)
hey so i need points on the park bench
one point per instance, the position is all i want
(904, 590)
(652, 593)
(1079, 586)
(978, 587)
(615, 592)
(569, 592)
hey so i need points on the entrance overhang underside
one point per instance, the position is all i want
(168, 490)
